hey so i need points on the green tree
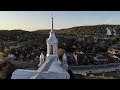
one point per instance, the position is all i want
(12, 51)
(61, 52)
(1, 47)
(7, 69)
(2, 75)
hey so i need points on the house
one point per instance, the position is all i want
(115, 49)
(11, 57)
(111, 31)
(84, 58)
(100, 59)
(112, 57)
(116, 57)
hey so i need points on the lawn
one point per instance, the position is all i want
(105, 75)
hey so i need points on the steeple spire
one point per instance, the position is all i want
(52, 24)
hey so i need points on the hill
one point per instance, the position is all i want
(93, 29)
(45, 31)
(78, 30)
(15, 34)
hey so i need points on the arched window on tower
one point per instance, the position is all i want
(51, 49)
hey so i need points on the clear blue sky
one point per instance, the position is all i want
(33, 20)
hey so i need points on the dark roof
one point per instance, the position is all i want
(86, 54)
(102, 57)
(83, 56)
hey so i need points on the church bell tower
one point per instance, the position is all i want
(52, 43)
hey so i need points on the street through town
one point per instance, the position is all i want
(95, 68)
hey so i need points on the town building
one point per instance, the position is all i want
(100, 59)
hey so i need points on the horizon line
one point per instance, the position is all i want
(59, 28)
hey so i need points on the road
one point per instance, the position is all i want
(95, 68)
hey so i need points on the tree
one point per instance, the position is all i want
(1, 47)
(61, 52)
(70, 73)
(12, 51)
(9, 69)
(114, 40)
(44, 46)
(2, 76)
(6, 50)
(96, 48)
(1, 56)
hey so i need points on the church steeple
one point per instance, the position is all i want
(52, 43)
(52, 25)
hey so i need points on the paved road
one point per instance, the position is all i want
(95, 68)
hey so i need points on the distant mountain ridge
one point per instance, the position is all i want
(43, 31)
(90, 29)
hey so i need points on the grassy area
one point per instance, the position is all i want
(100, 77)
(105, 75)
(78, 76)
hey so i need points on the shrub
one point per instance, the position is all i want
(79, 76)
(7, 68)
(70, 73)
(2, 76)
(61, 53)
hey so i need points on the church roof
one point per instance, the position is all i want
(55, 71)
(56, 67)
(53, 75)
(23, 74)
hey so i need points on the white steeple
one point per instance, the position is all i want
(65, 65)
(64, 58)
(41, 60)
(52, 43)
(52, 38)
(52, 25)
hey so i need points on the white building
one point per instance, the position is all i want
(11, 57)
(52, 68)
(111, 31)
(114, 32)
(108, 32)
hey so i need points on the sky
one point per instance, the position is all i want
(34, 20)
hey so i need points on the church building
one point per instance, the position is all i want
(51, 68)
